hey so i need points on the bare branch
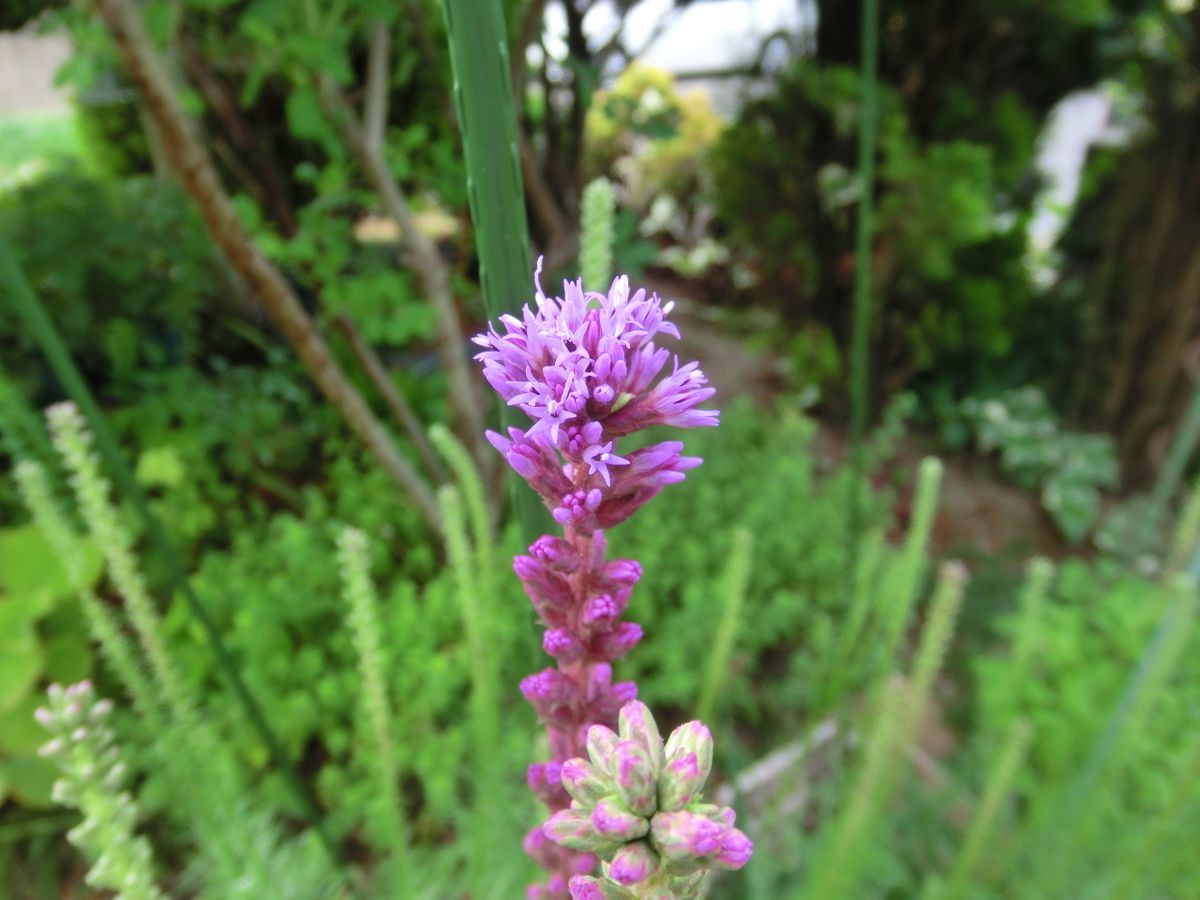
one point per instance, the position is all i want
(529, 31)
(430, 268)
(375, 105)
(191, 162)
(395, 400)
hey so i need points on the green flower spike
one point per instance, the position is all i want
(82, 747)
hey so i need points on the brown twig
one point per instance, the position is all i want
(193, 165)
(430, 268)
(396, 402)
(375, 104)
(528, 31)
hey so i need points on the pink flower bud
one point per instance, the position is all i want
(736, 850)
(683, 835)
(583, 781)
(633, 863)
(573, 828)
(688, 763)
(613, 821)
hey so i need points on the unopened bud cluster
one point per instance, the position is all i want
(92, 776)
(636, 805)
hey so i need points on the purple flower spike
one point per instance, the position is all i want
(586, 371)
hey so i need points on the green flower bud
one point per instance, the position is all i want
(613, 821)
(688, 763)
(586, 783)
(573, 828)
(633, 772)
(637, 724)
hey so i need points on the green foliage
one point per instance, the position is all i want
(43, 638)
(133, 250)
(1068, 469)
(761, 475)
(949, 233)
(111, 130)
(652, 139)
(30, 143)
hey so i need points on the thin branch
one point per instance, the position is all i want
(261, 173)
(551, 218)
(429, 266)
(396, 402)
(527, 32)
(375, 105)
(190, 160)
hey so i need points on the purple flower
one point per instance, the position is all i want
(585, 369)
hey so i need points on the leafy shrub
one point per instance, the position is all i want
(1068, 468)
(950, 241)
(122, 268)
(760, 474)
(653, 139)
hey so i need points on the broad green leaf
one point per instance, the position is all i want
(30, 780)
(28, 563)
(19, 671)
(20, 732)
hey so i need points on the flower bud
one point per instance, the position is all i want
(601, 742)
(572, 828)
(637, 724)
(562, 645)
(586, 783)
(736, 850)
(547, 689)
(633, 863)
(688, 763)
(613, 821)
(616, 643)
(555, 553)
(680, 835)
(633, 770)
(587, 888)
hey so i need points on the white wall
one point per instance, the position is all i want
(27, 66)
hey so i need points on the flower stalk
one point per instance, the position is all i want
(584, 368)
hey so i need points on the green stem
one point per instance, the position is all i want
(861, 327)
(483, 96)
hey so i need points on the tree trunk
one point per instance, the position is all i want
(1146, 299)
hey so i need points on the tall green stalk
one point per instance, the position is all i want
(362, 615)
(861, 328)
(16, 291)
(483, 96)
(733, 590)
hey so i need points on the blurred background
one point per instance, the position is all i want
(1031, 319)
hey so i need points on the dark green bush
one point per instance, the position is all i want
(124, 270)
